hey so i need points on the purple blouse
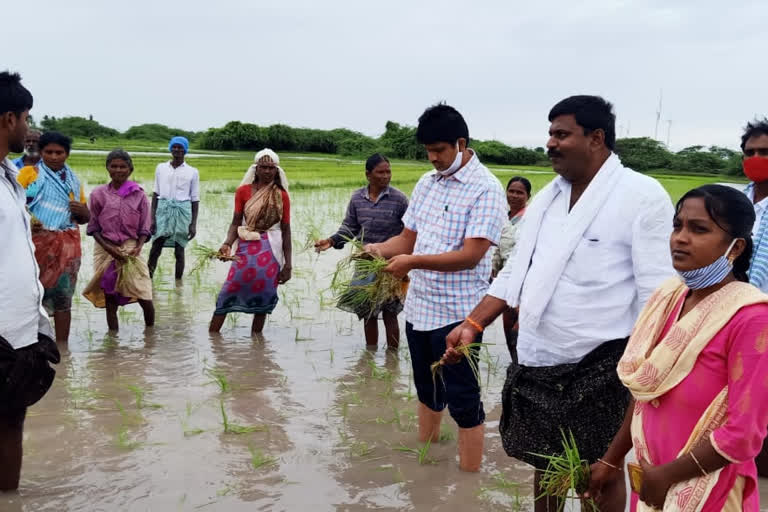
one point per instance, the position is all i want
(118, 215)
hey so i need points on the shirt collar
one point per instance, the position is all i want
(366, 195)
(170, 164)
(11, 171)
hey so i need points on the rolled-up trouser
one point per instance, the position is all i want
(457, 387)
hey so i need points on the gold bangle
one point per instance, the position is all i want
(601, 461)
(703, 471)
(475, 324)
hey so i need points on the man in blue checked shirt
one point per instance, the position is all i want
(455, 214)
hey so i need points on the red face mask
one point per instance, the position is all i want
(756, 168)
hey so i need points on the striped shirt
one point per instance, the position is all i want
(444, 212)
(372, 221)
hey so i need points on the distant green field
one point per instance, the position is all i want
(307, 172)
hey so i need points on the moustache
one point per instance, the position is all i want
(551, 153)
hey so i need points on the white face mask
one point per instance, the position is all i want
(455, 166)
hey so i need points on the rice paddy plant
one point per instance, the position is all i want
(566, 472)
(259, 460)
(298, 339)
(234, 428)
(124, 442)
(501, 485)
(422, 453)
(129, 270)
(313, 234)
(219, 378)
(139, 393)
(446, 434)
(468, 353)
(361, 449)
(204, 256)
(372, 294)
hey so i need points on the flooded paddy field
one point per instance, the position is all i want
(173, 418)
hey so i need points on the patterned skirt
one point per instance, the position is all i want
(251, 285)
(58, 255)
(586, 398)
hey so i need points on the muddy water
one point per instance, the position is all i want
(136, 421)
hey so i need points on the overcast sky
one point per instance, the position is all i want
(357, 64)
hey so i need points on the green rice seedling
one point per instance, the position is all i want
(499, 484)
(298, 339)
(382, 289)
(123, 441)
(259, 460)
(128, 270)
(205, 255)
(446, 434)
(313, 235)
(466, 352)
(139, 393)
(361, 449)
(219, 378)
(422, 453)
(234, 428)
(566, 472)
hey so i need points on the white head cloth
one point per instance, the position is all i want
(250, 174)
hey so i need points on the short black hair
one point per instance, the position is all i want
(754, 129)
(524, 181)
(441, 123)
(374, 160)
(591, 113)
(730, 209)
(14, 97)
(55, 138)
(119, 154)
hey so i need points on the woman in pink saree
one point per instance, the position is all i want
(697, 368)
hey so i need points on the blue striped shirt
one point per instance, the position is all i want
(372, 221)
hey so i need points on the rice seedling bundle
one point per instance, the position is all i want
(205, 255)
(355, 291)
(566, 472)
(466, 352)
(129, 271)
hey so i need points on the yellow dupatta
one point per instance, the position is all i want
(650, 369)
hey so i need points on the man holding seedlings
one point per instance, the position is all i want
(26, 345)
(174, 205)
(455, 214)
(593, 247)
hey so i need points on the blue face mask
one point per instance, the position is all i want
(710, 275)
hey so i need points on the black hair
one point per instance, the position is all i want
(119, 154)
(591, 113)
(524, 181)
(55, 138)
(374, 160)
(14, 97)
(754, 129)
(441, 123)
(733, 213)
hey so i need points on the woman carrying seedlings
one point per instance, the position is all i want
(56, 200)
(120, 222)
(261, 225)
(518, 194)
(697, 368)
(374, 214)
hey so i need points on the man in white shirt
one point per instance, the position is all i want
(593, 246)
(174, 205)
(754, 145)
(26, 345)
